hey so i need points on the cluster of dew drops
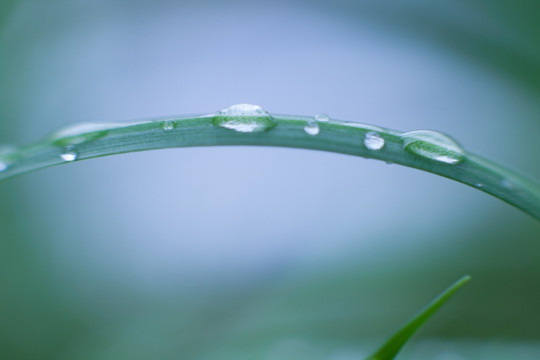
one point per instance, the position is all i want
(247, 118)
(372, 140)
(253, 118)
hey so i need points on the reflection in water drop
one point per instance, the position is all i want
(433, 145)
(3, 166)
(245, 118)
(373, 141)
(69, 154)
(322, 117)
(168, 125)
(312, 128)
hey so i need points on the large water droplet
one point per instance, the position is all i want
(373, 141)
(312, 128)
(322, 117)
(168, 125)
(69, 154)
(433, 145)
(245, 118)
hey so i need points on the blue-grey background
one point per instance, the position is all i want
(245, 252)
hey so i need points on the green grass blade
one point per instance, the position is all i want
(391, 347)
(87, 141)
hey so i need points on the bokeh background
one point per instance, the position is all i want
(267, 253)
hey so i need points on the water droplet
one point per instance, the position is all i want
(3, 166)
(69, 154)
(322, 117)
(312, 128)
(433, 145)
(245, 118)
(373, 141)
(168, 125)
(478, 185)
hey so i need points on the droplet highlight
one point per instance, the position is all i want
(433, 145)
(168, 125)
(374, 141)
(312, 128)
(244, 118)
(3, 166)
(322, 117)
(69, 154)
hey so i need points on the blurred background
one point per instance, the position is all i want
(267, 253)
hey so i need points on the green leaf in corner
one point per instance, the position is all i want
(392, 346)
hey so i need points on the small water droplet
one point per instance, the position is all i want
(373, 141)
(478, 185)
(433, 145)
(312, 128)
(322, 117)
(168, 125)
(245, 118)
(69, 154)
